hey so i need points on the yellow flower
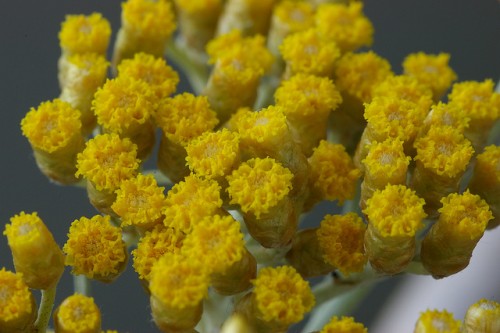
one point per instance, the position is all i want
(333, 174)
(153, 245)
(395, 211)
(178, 282)
(343, 325)
(213, 154)
(217, 241)
(107, 160)
(282, 295)
(95, 248)
(434, 321)
(307, 98)
(478, 100)
(431, 70)
(357, 74)
(84, 74)
(346, 25)
(77, 314)
(444, 151)
(161, 78)
(305, 52)
(123, 104)
(139, 201)
(443, 114)
(189, 201)
(85, 34)
(52, 126)
(341, 238)
(259, 185)
(296, 16)
(36, 254)
(482, 317)
(17, 304)
(152, 20)
(184, 117)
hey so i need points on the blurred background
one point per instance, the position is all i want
(467, 29)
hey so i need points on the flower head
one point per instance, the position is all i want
(344, 24)
(123, 103)
(36, 254)
(341, 238)
(477, 99)
(357, 74)
(483, 316)
(432, 70)
(139, 201)
(86, 72)
(333, 173)
(395, 211)
(443, 114)
(297, 16)
(107, 160)
(386, 161)
(149, 19)
(184, 117)
(444, 151)
(434, 321)
(153, 245)
(213, 154)
(78, 314)
(17, 305)
(52, 126)
(189, 201)
(178, 282)
(155, 72)
(305, 52)
(343, 325)
(216, 239)
(281, 295)
(258, 185)
(85, 34)
(95, 248)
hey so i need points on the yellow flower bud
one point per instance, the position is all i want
(482, 317)
(434, 321)
(77, 314)
(251, 17)
(36, 254)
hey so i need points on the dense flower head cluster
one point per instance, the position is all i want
(286, 112)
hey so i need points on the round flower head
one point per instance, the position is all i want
(139, 202)
(52, 126)
(431, 70)
(478, 100)
(189, 201)
(107, 160)
(216, 239)
(184, 117)
(153, 245)
(443, 114)
(85, 34)
(151, 20)
(346, 25)
(333, 173)
(282, 295)
(36, 254)
(213, 154)
(343, 325)
(433, 321)
(295, 16)
(482, 316)
(77, 314)
(341, 238)
(258, 185)
(305, 52)
(85, 73)
(357, 74)
(155, 72)
(17, 304)
(95, 248)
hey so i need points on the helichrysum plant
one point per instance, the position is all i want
(286, 112)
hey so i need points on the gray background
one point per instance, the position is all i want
(468, 29)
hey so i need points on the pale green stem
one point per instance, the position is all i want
(81, 285)
(45, 309)
(195, 71)
(160, 178)
(216, 308)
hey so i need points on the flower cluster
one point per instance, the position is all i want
(287, 112)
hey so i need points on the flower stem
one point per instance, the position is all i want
(45, 309)
(81, 285)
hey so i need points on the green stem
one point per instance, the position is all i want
(45, 309)
(216, 309)
(81, 285)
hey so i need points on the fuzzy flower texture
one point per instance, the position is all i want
(289, 108)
